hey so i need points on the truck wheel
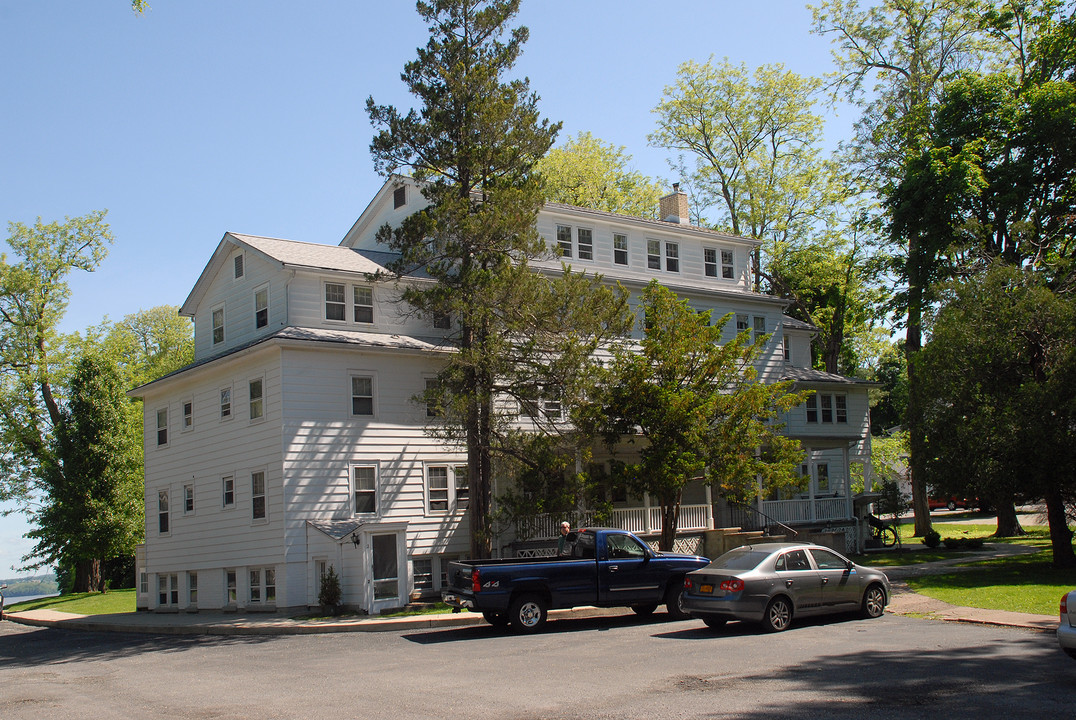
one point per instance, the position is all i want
(528, 613)
(673, 596)
(496, 619)
(644, 610)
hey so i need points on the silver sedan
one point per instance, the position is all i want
(1066, 629)
(771, 583)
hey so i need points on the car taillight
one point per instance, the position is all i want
(1064, 605)
(476, 583)
(688, 584)
(733, 585)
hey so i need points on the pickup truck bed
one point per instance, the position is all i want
(607, 567)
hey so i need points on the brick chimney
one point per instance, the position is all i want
(674, 209)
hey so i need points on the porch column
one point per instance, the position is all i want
(646, 514)
(709, 506)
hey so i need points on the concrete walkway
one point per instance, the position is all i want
(904, 602)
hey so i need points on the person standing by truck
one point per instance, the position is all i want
(562, 541)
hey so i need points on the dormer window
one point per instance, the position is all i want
(586, 243)
(620, 249)
(672, 257)
(726, 265)
(335, 307)
(364, 304)
(564, 240)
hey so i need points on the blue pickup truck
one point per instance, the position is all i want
(605, 567)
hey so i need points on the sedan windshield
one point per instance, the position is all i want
(740, 559)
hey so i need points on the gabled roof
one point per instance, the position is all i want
(287, 254)
(358, 338)
(336, 529)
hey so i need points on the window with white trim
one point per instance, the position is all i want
(218, 325)
(335, 306)
(672, 257)
(442, 321)
(192, 588)
(759, 327)
(822, 478)
(585, 237)
(827, 408)
(188, 499)
(786, 349)
(257, 495)
(362, 395)
(653, 254)
(230, 593)
(727, 269)
(262, 585)
(227, 491)
(162, 427)
(225, 403)
(162, 512)
(447, 489)
(257, 402)
(261, 307)
(364, 489)
(363, 298)
(422, 574)
(188, 415)
(709, 262)
(433, 407)
(168, 587)
(742, 323)
(620, 249)
(564, 240)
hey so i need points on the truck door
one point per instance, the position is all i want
(626, 575)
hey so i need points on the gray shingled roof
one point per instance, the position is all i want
(819, 376)
(791, 323)
(315, 256)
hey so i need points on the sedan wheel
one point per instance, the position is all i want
(644, 610)
(873, 602)
(778, 615)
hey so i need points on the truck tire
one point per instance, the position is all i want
(496, 619)
(528, 613)
(644, 610)
(672, 600)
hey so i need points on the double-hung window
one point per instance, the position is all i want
(362, 395)
(188, 499)
(257, 402)
(364, 486)
(433, 404)
(227, 491)
(257, 495)
(218, 325)
(363, 304)
(709, 262)
(586, 243)
(225, 403)
(564, 240)
(447, 488)
(188, 415)
(620, 249)
(192, 589)
(261, 307)
(263, 585)
(162, 512)
(335, 305)
(672, 257)
(230, 593)
(726, 265)
(760, 327)
(653, 254)
(162, 427)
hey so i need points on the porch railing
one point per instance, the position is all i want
(808, 510)
(641, 521)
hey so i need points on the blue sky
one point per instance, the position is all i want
(202, 117)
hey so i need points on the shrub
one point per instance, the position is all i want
(330, 594)
(932, 539)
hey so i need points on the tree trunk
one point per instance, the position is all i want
(670, 521)
(1060, 534)
(1008, 523)
(914, 418)
(88, 576)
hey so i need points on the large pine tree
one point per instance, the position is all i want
(472, 145)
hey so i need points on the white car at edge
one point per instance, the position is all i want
(1066, 629)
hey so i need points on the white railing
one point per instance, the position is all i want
(636, 520)
(807, 510)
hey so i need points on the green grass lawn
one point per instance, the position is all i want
(114, 601)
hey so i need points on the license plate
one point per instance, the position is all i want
(706, 588)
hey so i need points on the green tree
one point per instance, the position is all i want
(593, 174)
(34, 356)
(473, 147)
(92, 483)
(751, 141)
(1000, 372)
(907, 48)
(695, 407)
(145, 345)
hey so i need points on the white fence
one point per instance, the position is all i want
(806, 510)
